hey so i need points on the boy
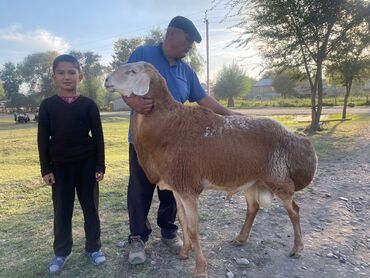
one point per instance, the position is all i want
(71, 160)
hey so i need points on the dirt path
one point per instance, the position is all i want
(334, 218)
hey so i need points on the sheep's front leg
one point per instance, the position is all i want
(186, 248)
(252, 209)
(191, 213)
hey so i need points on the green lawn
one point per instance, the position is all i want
(26, 216)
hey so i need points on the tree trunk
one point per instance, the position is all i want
(320, 94)
(313, 126)
(348, 92)
(230, 102)
(316, 109)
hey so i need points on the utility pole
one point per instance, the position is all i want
(207, 52)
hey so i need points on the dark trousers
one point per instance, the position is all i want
(70, 178)
(139, 198)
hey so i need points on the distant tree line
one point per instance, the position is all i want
(25, 84)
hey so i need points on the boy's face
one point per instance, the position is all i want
(66, 76)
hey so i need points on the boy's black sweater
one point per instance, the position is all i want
(63, 133)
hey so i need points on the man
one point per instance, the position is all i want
(184, 85)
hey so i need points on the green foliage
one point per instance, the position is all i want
(351, 61)
(92, 88)
(284, 85)
(21, 100)
(90, 63)
(123, 49)
(154, 36)
(2, 92)
(10, 79)
(37, 73)
(230, 83)
(195, 59)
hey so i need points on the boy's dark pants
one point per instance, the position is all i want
(80, 177)
(139, 198)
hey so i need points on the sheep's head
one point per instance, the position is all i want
(130, 78)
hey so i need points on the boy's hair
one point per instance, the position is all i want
(66, 58)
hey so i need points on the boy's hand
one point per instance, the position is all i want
(49, 178)
(99, 176)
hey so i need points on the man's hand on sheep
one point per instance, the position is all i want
(234, 113)
(141, 104)
(216, 107)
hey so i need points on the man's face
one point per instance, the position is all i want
(181, 43)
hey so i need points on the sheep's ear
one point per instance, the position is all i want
(141, 86)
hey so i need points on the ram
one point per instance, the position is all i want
(189, 149)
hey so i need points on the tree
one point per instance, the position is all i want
(195, 60)
(154, 36)
(300, 34)
(2, 92)
(351, 61)
(36, 70)
(284, 84)
(10, 79)
(123, 49)
(20, 100)
(230, 83)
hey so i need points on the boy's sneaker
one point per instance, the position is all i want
(57, 263)
(174, 244)
(136, 254)
(96, 258)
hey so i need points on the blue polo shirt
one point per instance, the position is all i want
(181, 79)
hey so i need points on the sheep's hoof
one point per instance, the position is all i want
(296, 253)
(200, 275)
(238, 242)
(201, 270)
(183, 256)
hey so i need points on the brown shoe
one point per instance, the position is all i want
(174, 244)
(136, 254)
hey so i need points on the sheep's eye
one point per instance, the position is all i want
(130, 72)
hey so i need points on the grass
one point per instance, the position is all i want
(26, 215)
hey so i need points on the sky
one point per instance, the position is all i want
(30, 26)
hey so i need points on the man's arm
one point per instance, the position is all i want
(216, 107)
(142, 105)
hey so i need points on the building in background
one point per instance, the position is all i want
(119, 105)
(264, 90)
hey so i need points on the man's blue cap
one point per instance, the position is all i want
(187, 26)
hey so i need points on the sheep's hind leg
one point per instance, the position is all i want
(186, 248)
(293, 212)
(252, 209)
